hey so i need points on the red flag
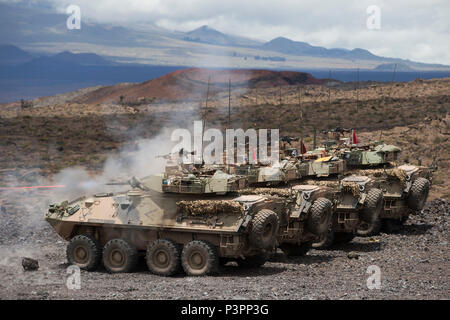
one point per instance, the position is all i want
(354, 139)
(303, 148)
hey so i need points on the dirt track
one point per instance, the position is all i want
(414, 263)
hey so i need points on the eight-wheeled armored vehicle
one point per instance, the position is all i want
(377, 155)
(172, 230)
(309, 211)
(405, 191)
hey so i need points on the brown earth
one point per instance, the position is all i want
(190, 84)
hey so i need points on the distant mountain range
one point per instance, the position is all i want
(40, 56)
(208, 35)
(288, 46)
(12, 55)
(40, 31)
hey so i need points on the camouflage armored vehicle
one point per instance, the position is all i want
(322, 167)
(290, 169)
(257, 174)
(309, 211)
(373, 155)
(217, 183)
(359, 204)
(172, 230)
(405, 191)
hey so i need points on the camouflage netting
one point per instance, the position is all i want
(210, 207)
(323, 183)
(289, 165)
(268, 191)
(390, 173)
(399, 174)
(351, 187)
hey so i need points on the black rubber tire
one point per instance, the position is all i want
(369, 230)
(418, 194)
(372, 206)
(296, 250)
(123, 251)
(320, 216)
(163, 257)
(264, 229)
(325, 240)
(85, 245)
(343, 237)
(255, 261)
(370, 216)
(199, 258)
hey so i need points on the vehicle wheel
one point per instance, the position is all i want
(325, 240)
(84, 251)
(372, 206)
(320, 216)
(418, 194)
(369, 229)
(252, 261)
(119, 256)
(264, 229)
(163, 257)
(370, 217)
(294, 250)
(199, 258)
(343, 237)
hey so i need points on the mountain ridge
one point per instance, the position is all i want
(46, 32)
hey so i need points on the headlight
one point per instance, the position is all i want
(361, 187)
(306, 196)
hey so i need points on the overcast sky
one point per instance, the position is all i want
(412, 29)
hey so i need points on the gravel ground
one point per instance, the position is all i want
(414, 263)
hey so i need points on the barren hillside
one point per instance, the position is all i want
(55, 134)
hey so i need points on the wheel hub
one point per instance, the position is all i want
(80, 254)
(196, 260)
(161, 258)
(117, 257)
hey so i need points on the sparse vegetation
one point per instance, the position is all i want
(416, 122)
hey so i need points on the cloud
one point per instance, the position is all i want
(414, 29)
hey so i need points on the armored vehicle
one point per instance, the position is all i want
(322, 167)
(405, 191)
(217, 183)
(359, 204)
(373, 155)
(172, 230)
(309, 210)
(257, 174)
(290, 169)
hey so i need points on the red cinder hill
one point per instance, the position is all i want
(190, 84)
